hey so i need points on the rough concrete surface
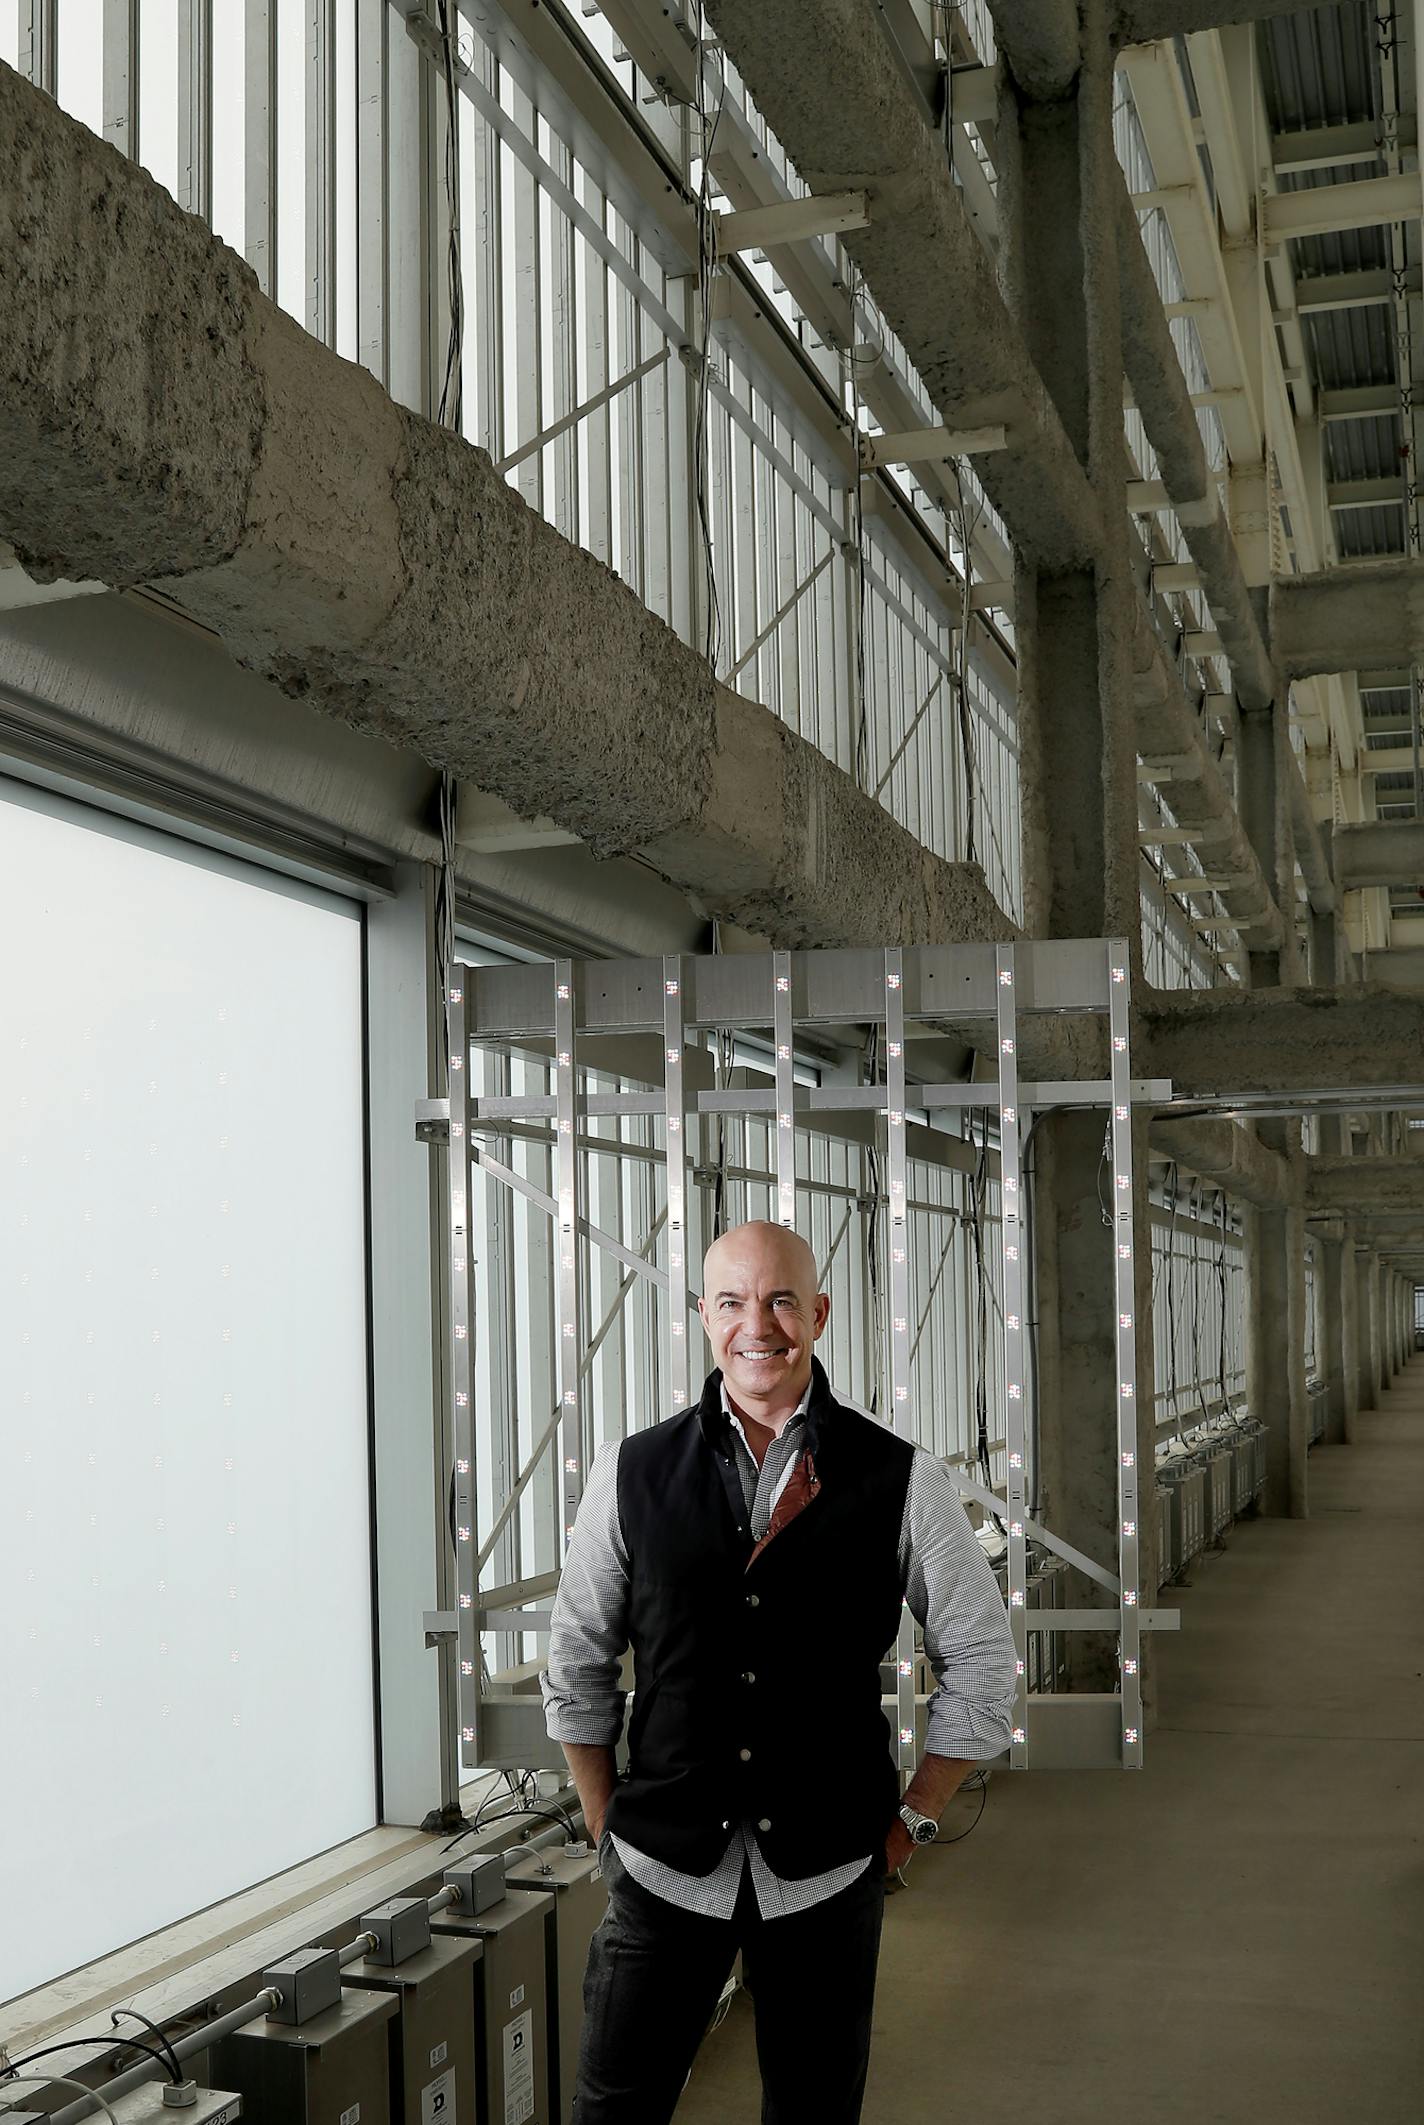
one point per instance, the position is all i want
(162, 423)
(1361, 617)
(1214, 1040)
(832, 90)
(1233, 1936)
(1366, 1184)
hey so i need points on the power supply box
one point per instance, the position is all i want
(511, 2007)
(434, 2062)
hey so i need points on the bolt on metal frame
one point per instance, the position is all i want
(558, 1008)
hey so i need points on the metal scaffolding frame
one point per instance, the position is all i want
(559, 1012)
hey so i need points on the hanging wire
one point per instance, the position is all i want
(857, 533)
(451, 410)
(872, 1231)
(707, 123)
(723, 1059)
(968, 747)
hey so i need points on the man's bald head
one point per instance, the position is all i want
(759, 1240)
(763, 1314)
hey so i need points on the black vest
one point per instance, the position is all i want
(758, 1684)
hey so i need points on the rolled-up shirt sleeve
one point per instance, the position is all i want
(588, 1630)
(952, 1593)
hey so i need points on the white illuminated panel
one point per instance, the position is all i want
(184, 1491)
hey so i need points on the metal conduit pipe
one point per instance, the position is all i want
(185, 2047)
(210, 2033)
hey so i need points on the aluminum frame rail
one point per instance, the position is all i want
(545, 1009)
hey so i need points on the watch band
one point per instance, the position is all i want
(922, 1828)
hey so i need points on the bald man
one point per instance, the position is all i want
(755, 1552)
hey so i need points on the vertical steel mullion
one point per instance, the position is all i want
(119, 37)
(569, 1309)
(897, 1225)
(259, 240)
(676, 1118)
(372, 190)
(39, 43)
(321, 172)
(195, 107)
(462, 1377)
(1129, 1625)
(1010, 1229)
(781, 1019)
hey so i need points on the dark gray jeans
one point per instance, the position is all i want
(654, 1975)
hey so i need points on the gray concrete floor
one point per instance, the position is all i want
(1237, 1933)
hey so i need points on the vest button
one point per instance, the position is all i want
(764, 1824)
(745, 1754)
(749, 1676)
(726, 1826)
(753, 1601)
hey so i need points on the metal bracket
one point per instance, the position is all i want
(441, 1626)
(917, 446)
(790, 221)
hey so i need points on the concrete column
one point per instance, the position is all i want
(1058, 185)
(1335, 1281)
(1376, 1341)
(1349, 1340)
(1365, 1393)
(1275, 1288)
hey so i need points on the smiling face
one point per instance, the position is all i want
(763, 1314)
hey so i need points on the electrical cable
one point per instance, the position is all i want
(132, 2014)
(116, 2042)
(59, 2080)
(450, 412)
(960, 1835)
(857, 526)
(707, 125)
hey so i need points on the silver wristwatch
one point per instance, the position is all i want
(923, 1829)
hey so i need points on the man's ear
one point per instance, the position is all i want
(823, 1310)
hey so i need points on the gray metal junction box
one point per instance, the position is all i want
(332, 2070)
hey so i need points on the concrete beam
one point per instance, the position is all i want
(1282, 1040)
(379, 569)
(1040, 41)
(1366, 1185)
(1165, 403)
(1380, 852)
(1400, 966)
(1227, 1155)
(1357, 618)
(927, 269)
(920, 254)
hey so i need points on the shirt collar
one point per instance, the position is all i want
(795, 1417)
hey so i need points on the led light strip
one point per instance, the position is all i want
(570, 1338)
(781, 1002)
(676, 1114)
(1015, 1430)
(462, 1368)
(898, 1229)
(1129, 1568)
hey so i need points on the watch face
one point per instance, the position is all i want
(925, 1833)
